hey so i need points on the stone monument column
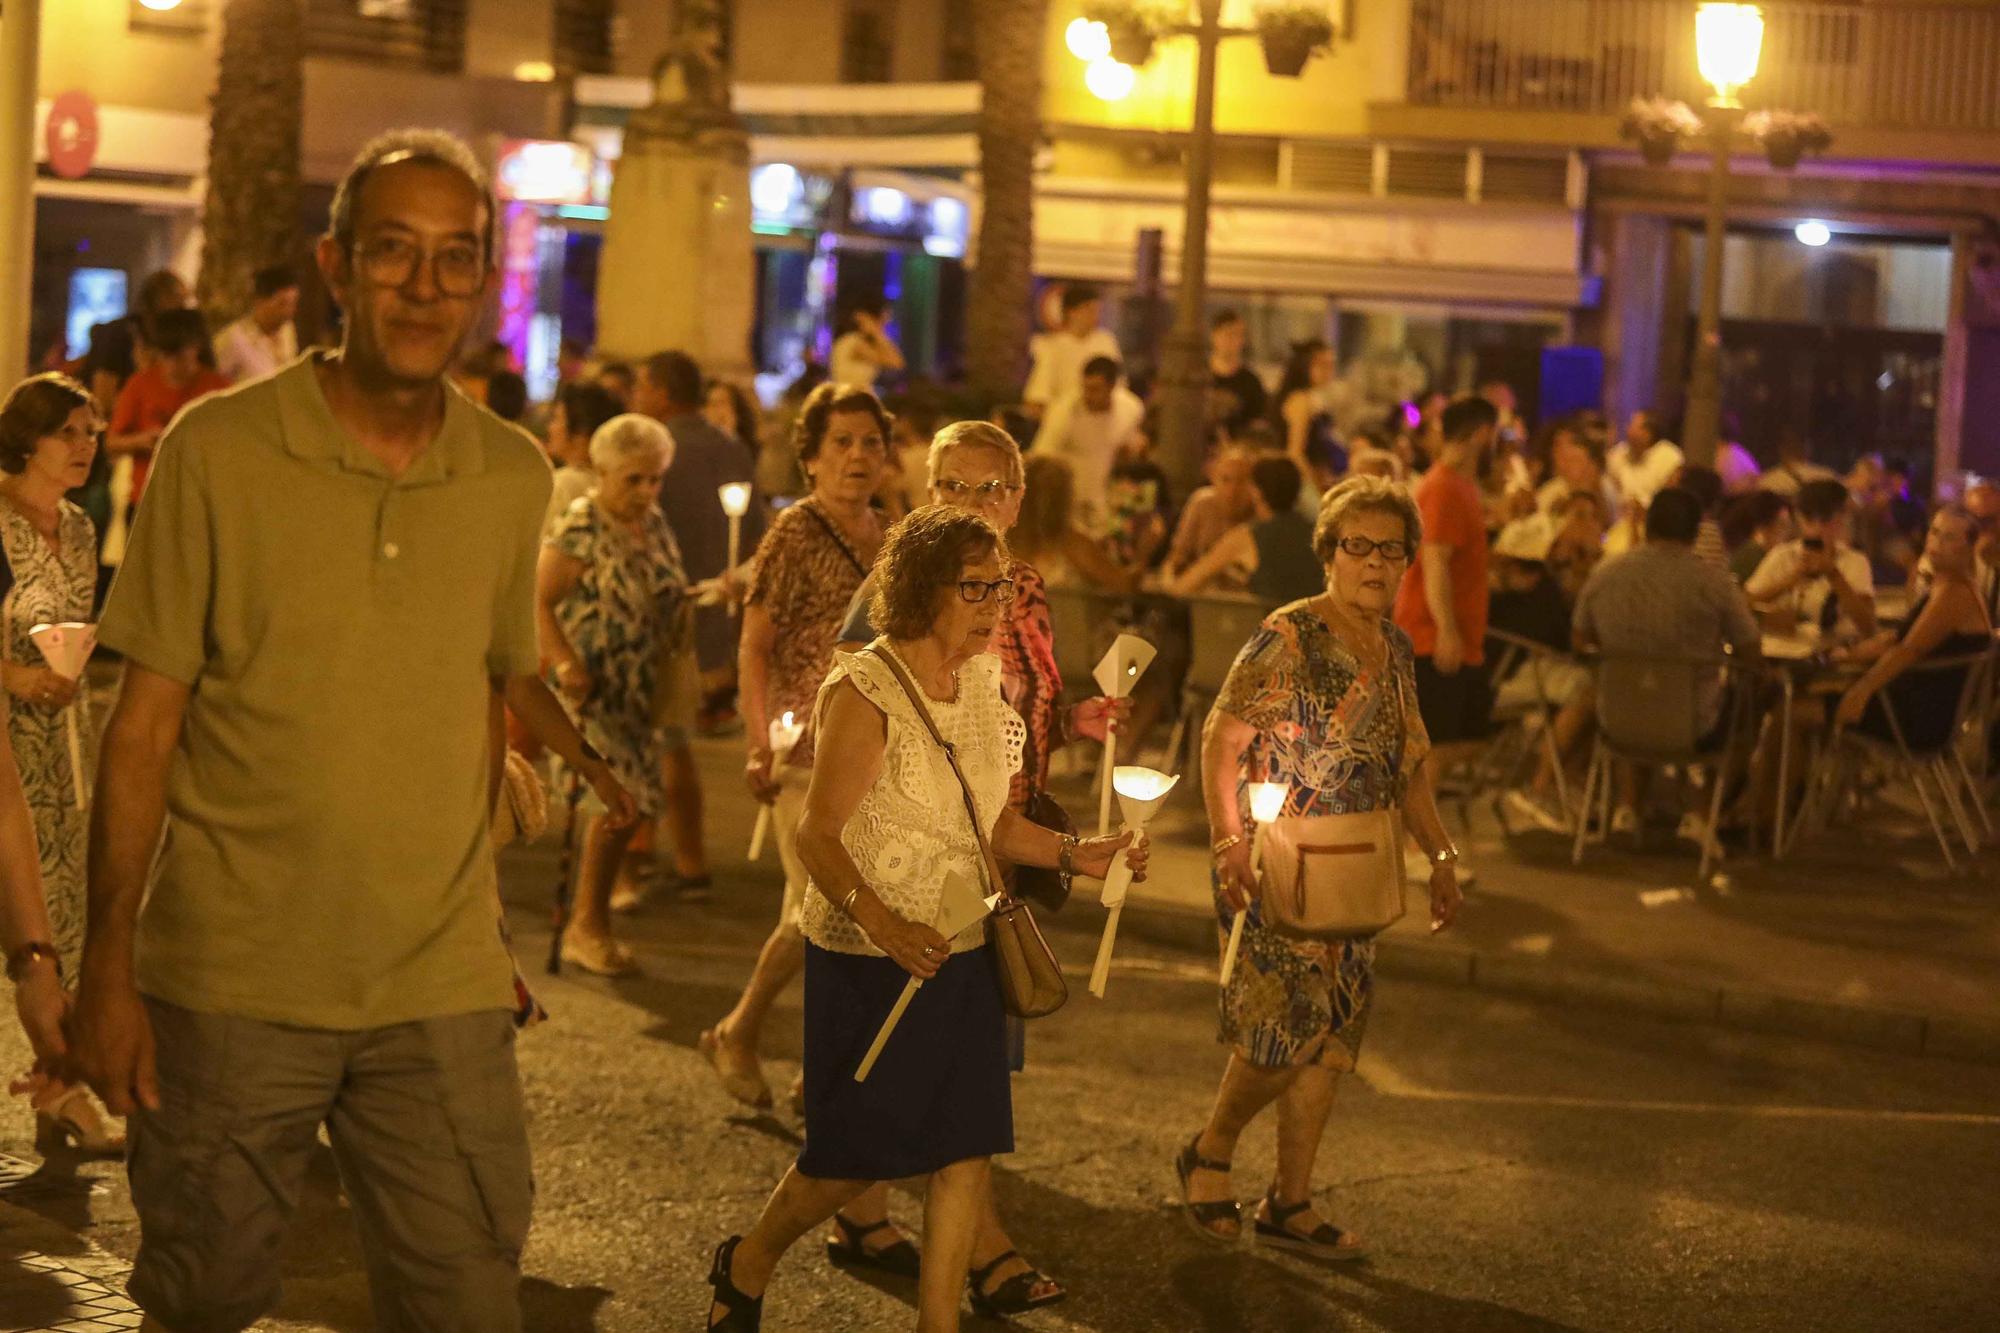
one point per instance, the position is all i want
(677, 269)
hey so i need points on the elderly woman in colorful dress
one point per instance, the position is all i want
(609, 591)
(1322, 699)
(885, 825)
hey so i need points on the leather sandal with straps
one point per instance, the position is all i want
(1325, 1242)
(1014, 1296)
(742, 1314)
(1203, 1216)
(851, 1250)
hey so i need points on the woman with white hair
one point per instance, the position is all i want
(609, 590)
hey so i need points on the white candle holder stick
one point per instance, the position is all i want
(735, 497)
(1267, 802)
(67, 648)
(1116, 674)
(1141, 792)
(785, 734)
(959, 906)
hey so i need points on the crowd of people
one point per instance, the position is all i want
(349, 592)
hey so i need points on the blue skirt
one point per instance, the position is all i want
(939, 1091)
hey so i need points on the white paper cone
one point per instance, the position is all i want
(76, 755)
(888, 1025)
(757, 834)
(1100, 971)
(1235, 943)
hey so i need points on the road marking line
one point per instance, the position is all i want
(1384, 1078)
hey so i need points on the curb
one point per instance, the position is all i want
(1945, 1036)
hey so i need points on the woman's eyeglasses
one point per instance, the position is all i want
(1361, 548)
(978, 590)
(984, 494)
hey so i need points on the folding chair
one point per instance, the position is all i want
(1514, 746)
(1649, 713)
(1942, 764)
(1218, 628)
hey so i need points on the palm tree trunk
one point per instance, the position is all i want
(250, 217)
(1007, 37)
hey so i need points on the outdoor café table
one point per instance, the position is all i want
(1798, 662)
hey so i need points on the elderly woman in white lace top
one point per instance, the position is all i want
(884, 825)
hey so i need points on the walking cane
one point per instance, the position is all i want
(565, 872)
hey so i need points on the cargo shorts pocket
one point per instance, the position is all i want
(488, 1120)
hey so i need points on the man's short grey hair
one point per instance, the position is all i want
(1363, 495)
(975, 435)
(435, 147)
(628, 436)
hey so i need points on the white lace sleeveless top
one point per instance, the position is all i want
(911, 827)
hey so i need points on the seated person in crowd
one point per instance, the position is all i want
(1663, 600)
(1888, 522)
(1138, 498)
(1753, 526)
(1949, 621)
(1817, 579)
(1088, 429)
(1048, 535)
(1529, 602)
(1227, 501)
(1705, 485)
(1576, 544)
(1576, 462)
(1642, 463)
(1272, 554)
(1982, 501)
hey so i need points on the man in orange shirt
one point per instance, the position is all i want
(1442, 603)
(155, 395)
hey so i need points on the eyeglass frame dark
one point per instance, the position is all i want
(357, 253)
(988, 588)
(995, 490)
(1370, 547)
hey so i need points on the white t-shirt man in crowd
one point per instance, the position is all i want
(1060, 355)
(263, 341)
(1818, 577)
(1642, 464)
(1088, 428)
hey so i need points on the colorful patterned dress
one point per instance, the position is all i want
(50, 587)
(1345, 738)
(1030, 679)
(618, 619)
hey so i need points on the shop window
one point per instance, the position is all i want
(586, 36)
(429, 34)
(868, 41)
(189, 16)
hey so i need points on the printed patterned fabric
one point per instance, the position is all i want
(1031, 680)
(619, 619)
(911, 829)
(51, 586)
(805, 578)
(1344, 738)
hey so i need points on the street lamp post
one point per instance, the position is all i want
(1184, 359)
(1728, 41)
(20, 35)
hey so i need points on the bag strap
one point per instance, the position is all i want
(838, 540)
(881, 652)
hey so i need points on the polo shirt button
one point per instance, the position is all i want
(391, 550)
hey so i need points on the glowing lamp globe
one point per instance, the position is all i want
(1087, 40)
(1813, 233)
(1108, 80)
(1728, 39)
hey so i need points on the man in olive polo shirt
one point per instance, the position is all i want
(329, 587)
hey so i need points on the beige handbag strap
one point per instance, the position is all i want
(882, 652)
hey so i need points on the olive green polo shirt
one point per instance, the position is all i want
(326, 860)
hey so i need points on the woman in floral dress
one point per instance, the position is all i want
(610, 589)
(1323, 699)
(48, 439)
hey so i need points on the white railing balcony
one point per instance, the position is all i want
(1889, 64)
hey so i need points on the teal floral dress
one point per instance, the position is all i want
(1345, 739)
(619, 619)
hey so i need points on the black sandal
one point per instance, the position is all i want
(898, 1260)
(744, 1313)
(1014, 1296)
(1200, 1216)
(1323, 1244)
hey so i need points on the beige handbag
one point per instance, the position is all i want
(1334, 876)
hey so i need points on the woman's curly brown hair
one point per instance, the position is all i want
(816, 415)
(924, 555)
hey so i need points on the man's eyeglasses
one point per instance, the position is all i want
(984, 494)
(458, 268)
(1361, 548)
(978, 590)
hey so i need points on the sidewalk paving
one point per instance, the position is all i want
(1864, 939)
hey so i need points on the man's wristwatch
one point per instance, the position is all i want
(19, 960)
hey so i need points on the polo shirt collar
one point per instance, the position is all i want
(312, 433)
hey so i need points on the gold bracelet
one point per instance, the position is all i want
(1219, 847)
(847, 903)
